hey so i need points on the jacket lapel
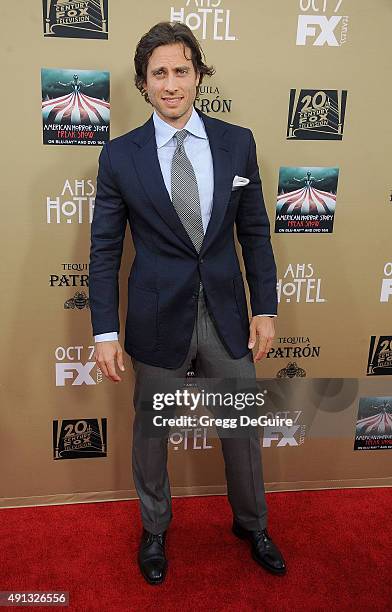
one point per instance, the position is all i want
(223, 176)
(150, 176)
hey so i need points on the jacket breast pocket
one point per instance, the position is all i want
(235, 194)
(142, 317)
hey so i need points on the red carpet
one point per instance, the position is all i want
(337, 545)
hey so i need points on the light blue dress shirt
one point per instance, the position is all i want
(198, 151)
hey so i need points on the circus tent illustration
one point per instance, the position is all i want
(76, 108)
(306, 200)
(380, 423)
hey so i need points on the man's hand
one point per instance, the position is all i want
(106, 354)
(264, 328)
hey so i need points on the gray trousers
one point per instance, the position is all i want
(242, 456)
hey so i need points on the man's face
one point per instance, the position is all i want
(171, 83)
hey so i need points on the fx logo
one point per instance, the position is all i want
(386, 283)
(324, 30)
(284, 434)
(79, 373)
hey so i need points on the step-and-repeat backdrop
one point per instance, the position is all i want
(311, 79)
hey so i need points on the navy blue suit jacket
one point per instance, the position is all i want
(164, 278)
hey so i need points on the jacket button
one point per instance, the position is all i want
(201, 260)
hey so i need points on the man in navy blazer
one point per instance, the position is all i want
(177, 292)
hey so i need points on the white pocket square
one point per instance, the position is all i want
(239, 181)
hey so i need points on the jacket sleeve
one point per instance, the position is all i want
(107, 235)
(253, 232)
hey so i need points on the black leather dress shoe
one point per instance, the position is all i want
(264, 551)
(151, 558)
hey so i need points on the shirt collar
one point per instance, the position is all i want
(164, 131)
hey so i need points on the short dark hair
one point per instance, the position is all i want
(167, 33)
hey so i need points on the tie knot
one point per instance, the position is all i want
(180, 136)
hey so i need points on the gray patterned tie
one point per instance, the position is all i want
(185, 192)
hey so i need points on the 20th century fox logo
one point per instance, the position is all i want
(79, 438)
(70, 19)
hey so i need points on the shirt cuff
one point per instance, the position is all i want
(266, 315)
(106, 337)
